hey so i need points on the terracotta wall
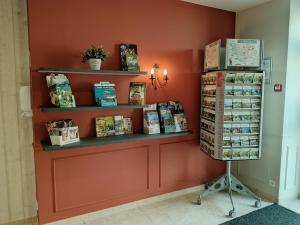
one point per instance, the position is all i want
(168, 32)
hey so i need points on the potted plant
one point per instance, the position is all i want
(95, 55)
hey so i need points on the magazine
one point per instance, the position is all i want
(100, 127)
(137, 93)
(119, 125)
(129, 57)
(151, 120)
(128, 128)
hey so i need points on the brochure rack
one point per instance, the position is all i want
(231, 118)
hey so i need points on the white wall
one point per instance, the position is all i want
(291, 127)
(17, 179)
(270, 23)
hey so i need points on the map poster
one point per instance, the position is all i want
(212, 56)
(243, 53)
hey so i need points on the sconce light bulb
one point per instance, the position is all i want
(152, 71)
(165, 72)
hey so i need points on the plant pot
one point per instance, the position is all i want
(95, 64)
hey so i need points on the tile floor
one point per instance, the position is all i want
(176, 210)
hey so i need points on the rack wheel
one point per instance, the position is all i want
(199, 202)
(232, 214)
(258, 204)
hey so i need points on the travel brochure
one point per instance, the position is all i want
(62, 132)
(113, 125)
(60, 91)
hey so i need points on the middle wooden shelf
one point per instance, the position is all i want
(90, 108)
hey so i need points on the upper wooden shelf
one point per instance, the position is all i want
(86, 71)
(90, 108)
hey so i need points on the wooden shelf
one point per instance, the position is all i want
(87, 71)
(94, 141)
(91, 108)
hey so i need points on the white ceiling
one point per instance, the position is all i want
(229, 5)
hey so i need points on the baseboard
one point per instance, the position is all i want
(131, 205)
(31, 220)
(263, 195)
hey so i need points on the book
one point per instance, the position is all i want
(245, 128)
(227, 128)
(105, 94)
(235, 141)
(230, 78)
(245, 141)
(226, 142)
(137, 93)
(237, 103)
(236, 153)
(228, 103)
(128, 128)
(227, 154)
(100, 127)
(229, 90)
(129, 57)
(180, 122)
(109, 125)
(254, 153)
(248, 79)
(245, 153)
(119, 125)
(167, 121)
(239, 78)
(175, 107)
(151, 120)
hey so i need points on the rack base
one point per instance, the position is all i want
(230, 183)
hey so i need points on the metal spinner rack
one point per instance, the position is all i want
(214, 134)
(232, 93)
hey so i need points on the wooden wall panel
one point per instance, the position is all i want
(17, 183)
(99, 177)
(180, 163)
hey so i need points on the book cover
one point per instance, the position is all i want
(245, 153)
(109, 125)
(236, 128)
(245, 128)
(151, 123)
(100, 127)
(119, 125)
(128, 128)
(248, 79)
(105, 94)
(180, 122)
(129, 57)
(60, 91)
(167, 121)
(137, 93)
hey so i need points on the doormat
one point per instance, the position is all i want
(270, 215)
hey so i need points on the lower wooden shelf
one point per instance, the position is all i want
(94, 141)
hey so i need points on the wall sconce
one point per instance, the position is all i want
(156, 82)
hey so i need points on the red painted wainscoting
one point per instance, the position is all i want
(168, 32)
